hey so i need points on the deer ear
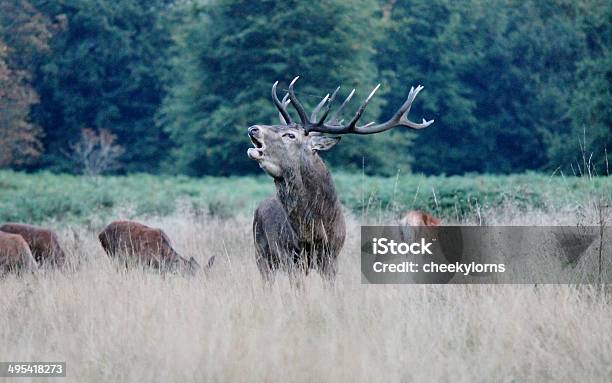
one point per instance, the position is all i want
(320, 143)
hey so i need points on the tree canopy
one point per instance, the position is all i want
(104, 72)
(228, 55)
(513, 86)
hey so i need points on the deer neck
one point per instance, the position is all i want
(309, 198)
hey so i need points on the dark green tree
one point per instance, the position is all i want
(424, 45)
(587, 139)
(499, 75)
(104, 73)
(230, 52)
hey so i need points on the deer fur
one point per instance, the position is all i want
(302, 226)
(419, 218)
(15, 255)
(43, 243)
(145, 245)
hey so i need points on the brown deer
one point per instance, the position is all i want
(416, 224)
(302, 226)
(146, 245)
(15, 255)
(419, 218)
(43, 243)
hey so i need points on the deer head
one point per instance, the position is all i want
(285, 147)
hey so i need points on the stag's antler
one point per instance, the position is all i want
(281, 105)
(312, 124)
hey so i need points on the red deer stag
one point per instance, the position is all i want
(302, 226)
(15, 255)
(146, 245)
(43, 243)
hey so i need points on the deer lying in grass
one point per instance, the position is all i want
(43, 243)
(302, 226)
(147, 246)
(15, 255)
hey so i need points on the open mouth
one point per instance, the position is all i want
(255, 153)
(256, 142)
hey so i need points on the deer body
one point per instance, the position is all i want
(43, 243)
(302, 226)
(15, 254)
(146, 245)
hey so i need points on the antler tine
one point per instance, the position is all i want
(362, 108)
(285, 103)
(315, 111)
(328, 109)
(313, 116)
(296, 103)
(333, 96)
(400, 118)
(281, 106)
(333, 128)
(286, 100)
(405, 109)
(334, 119)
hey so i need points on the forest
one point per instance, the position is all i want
(170, 86)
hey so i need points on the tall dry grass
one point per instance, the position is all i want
(113, 325)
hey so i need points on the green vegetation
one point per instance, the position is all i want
(500, 77)
(104, 72)
(46, 197)
(225, 64)
(525, 84)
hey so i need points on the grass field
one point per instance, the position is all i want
(46, 197)
(113, 325)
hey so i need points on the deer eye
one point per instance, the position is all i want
(291, 136)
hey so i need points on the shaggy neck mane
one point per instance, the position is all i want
(309, 198)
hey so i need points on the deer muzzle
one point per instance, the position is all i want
(256, 153)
